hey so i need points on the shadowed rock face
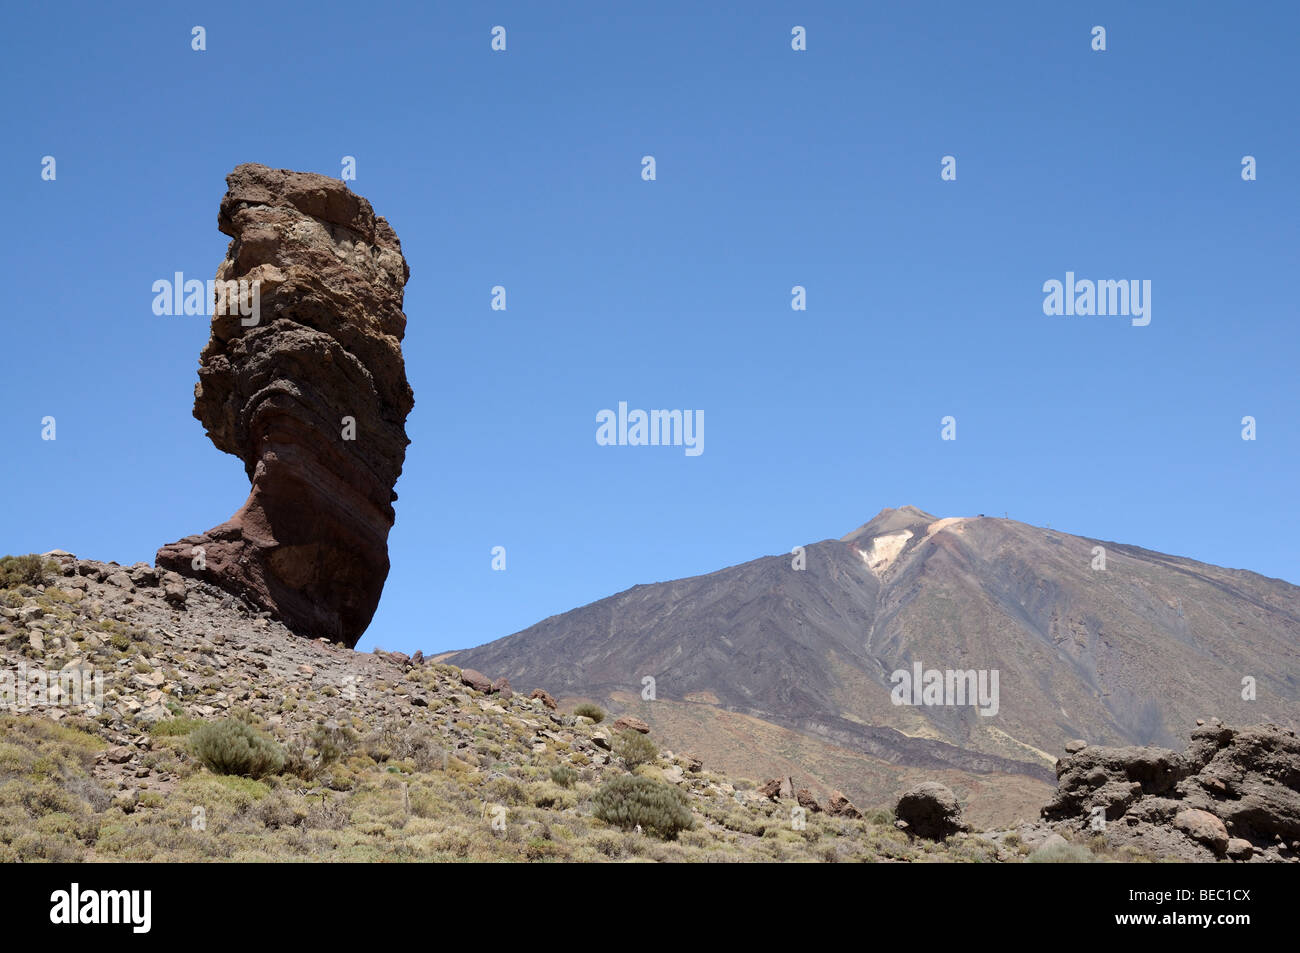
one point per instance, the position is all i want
(1236, 790)
(310, 544)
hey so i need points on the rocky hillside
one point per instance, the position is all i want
(381, 756)
(789, 660)
(386, 757)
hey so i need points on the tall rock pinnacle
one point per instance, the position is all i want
(310, 392)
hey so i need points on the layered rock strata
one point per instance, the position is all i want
(310, 391)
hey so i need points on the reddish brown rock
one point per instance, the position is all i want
(502, 687)
(476, 680)
(547, 700)
(629, 723)
(840, 806)
(771, 789)
(310, 392)
(807, 800)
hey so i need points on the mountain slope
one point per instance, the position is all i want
(1131, 654)
(111, 676)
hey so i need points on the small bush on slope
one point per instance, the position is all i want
(634, 748)
(1061, 854)
(29, 570)
(564, 776)
(234, 747)
(330, 742)
(588, 710)
(177, 727)
(659, 808)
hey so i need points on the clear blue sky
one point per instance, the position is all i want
(775, 168)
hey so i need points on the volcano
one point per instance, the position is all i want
(791, 664)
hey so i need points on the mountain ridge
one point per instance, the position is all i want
(1123, 654)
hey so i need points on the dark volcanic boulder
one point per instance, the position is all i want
(1113, 779)
(1249, 778)
(311, 393)
(930, 810)
(1235, 790)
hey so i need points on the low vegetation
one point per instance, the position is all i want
(29, 570)
(633, 802)
(1063, 853)
(635, 748)
(231, 757)
(54, 808)
(588, 710)
(232, 746)
(564, 776)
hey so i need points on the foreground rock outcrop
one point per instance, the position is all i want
(1234, 793)
(930, 810)
(311, 393)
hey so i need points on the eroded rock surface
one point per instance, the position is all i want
(930, 810)
(313, 397)
(1234, 791)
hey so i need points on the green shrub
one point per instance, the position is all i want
(564, 776)
(232, 746)
(395, 741)
(29, 570)
(280, 810)
(171, 727)
(1061, 854)
(588, 710)
(634, 748)
(330, 742)
(659, 808)
(505, 790)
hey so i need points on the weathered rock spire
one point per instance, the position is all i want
(310, 392)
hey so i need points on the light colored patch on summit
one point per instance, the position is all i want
(884, 550)
(944, 523)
